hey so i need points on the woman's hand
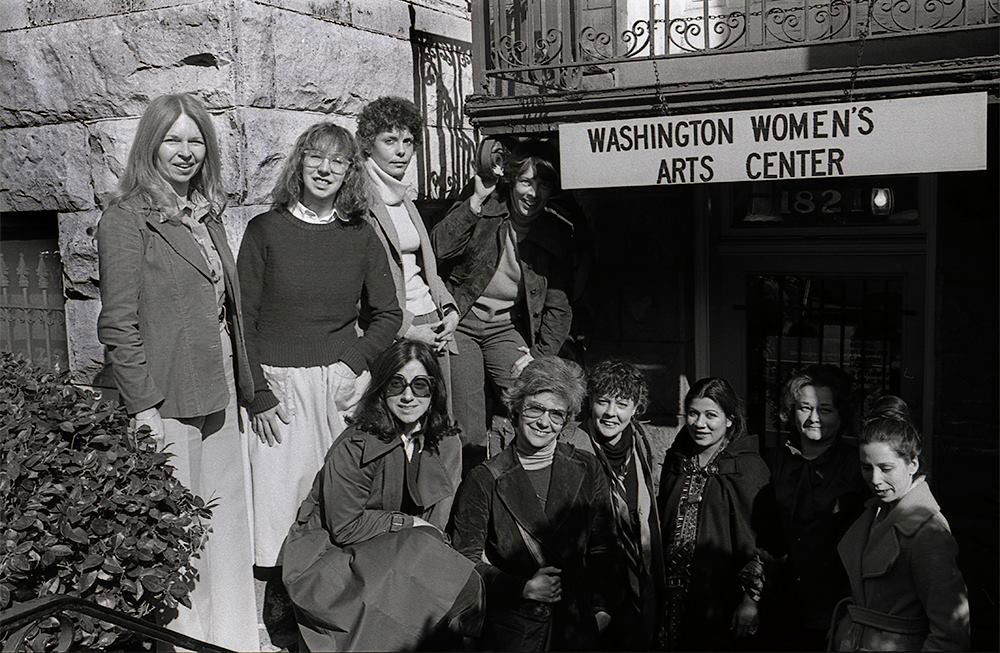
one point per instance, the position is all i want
(266, 425)
(447, 331)
(425, 333)
(545, 586)
(482, 191)
(603, 620)
(745, 618)
(151, 418)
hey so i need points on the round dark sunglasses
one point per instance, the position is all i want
(421, 386)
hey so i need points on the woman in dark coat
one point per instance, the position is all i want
(366, 564)
(907, 591)
(535, 520)
(508, 263)
(713, 490)
(819, 492)
(618, 395)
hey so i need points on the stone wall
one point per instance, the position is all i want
(75, 76)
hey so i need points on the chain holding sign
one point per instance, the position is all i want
(846, 139)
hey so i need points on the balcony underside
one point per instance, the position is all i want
(537, 100)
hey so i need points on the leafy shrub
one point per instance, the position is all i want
(87, 508)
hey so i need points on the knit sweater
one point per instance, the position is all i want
(301, 284)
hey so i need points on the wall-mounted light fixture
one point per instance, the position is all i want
(881, 201)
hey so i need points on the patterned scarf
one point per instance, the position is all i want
(680, 552)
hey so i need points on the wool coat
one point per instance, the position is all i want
(907, 592)
(575, 535)
(736, 505)
(359, 575)
(469, 248)
(817, 501)
(159, 315)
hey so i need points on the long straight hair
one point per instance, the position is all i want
(142, 180)
(351, 202)
(373, 414)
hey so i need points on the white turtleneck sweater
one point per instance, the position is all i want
(392, 192)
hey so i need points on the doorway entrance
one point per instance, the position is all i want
(848, 290)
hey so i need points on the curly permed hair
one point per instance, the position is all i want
(386, 114)
(548, 374)
(618, 379)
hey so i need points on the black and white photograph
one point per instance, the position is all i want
(499, 325)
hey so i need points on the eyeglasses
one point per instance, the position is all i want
(315, 158)
(534, 411)
(422, 386)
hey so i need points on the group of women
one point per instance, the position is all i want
(363, 368)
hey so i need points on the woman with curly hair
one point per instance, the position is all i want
(617, 396)
(536, 521)
(388, 130)
(304, 266)
(365, 563)
(172, 322)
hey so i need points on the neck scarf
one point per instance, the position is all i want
(391, 190)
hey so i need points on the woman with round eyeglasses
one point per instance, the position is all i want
(714, 491)
(907, 591)
(304, 266)
(366, 563)
(536, 521)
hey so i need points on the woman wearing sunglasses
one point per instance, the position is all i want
(303, 266)
(536, 521)
(366, 563)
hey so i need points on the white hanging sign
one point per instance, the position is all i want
(939, 133)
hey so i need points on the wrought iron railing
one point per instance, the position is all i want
(32, 316)
(551, 43)
(16, 624)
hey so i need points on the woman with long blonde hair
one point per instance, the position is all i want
(172, 322)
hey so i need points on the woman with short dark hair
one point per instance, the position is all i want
(617, 397)
(365, 562)
(907, 591)
(535, 520)
(713, 490)
(304, 267)
(508, 267)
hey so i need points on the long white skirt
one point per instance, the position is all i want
(317, 399)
